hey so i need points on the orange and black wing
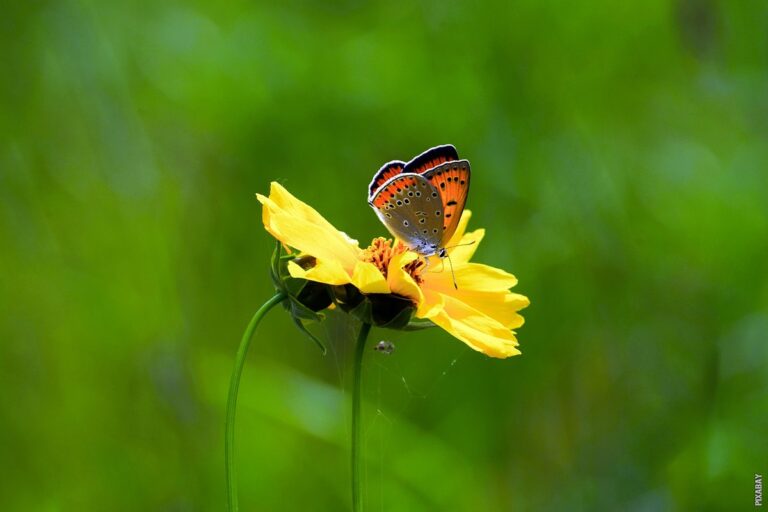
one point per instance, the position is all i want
(432, 158)
(387, 171)
(451, 180)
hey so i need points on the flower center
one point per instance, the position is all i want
(381, 251)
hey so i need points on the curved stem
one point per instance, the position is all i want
(234, 385)
(357, 498)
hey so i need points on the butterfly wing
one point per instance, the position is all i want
(451, 180)
(410, 207)
(420, 164)
(387, 171)
(432, 158)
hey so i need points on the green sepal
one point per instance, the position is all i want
(311, 336)
(275, 265)
(305, 298)
(392, 311)
(418, 325)
(299, 310)
(347, 297)
(363, 311)
(314, 296)
(382, 310)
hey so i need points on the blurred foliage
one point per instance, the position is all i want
(620, 159)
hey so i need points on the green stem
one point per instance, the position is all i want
(357, 498)
(234, 385)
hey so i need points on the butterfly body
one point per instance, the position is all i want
(420, 202)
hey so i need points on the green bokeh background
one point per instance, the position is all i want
(620, 167)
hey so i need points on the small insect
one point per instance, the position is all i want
(420, 202)
(385, 347)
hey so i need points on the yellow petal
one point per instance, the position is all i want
(324, 271)
(479, 331)
(469, 276)
(501, 306)
(298, 225)
(368, 278)
(288, 202)
(400, 281)
(460, 229)
(431, 305)
(466, 246)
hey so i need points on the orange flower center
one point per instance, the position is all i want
(381, 251)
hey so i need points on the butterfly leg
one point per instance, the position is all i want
(426, 265)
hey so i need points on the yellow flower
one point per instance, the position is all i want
(482, 312)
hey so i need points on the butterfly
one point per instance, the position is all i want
(420, 202)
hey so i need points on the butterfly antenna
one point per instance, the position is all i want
(460, 245)
(450, 264)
